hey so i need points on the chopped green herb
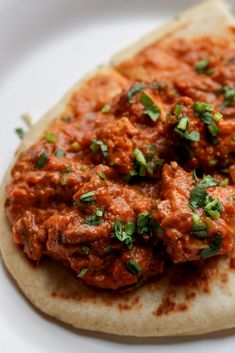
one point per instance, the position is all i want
(66, 119)
(75, 146)
(144, 163)
(88, 197)
(42, 160)
(208, 181)
(183, 123)
(213, 207)
(101, 175)
(59, 153)
(82, 272)
(140, 86)
(201, 107)
(124, 232)
(204, 112)
(195, 178)
(85, 249)
(178, 109)
(195, 218)
(193, 136)
(217, 116)
(139, 156)
(214, 247)
(202, 66)
(96, 217)
(168, 116)
(133, 267)
(143, 223)
(20, 132)
(197, 197)
(150, 108)
(229, 95)
(50, 137)
(108, 249)
(106, 108)
(198, 194)
(99, 145)
(156, 228)
(224, 182)
(214, 129)
(63, 181)
(68, 169)
(182, 129)
(200, 229)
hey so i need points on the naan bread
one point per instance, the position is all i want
(184, 300)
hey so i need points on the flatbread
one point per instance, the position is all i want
(184, 300)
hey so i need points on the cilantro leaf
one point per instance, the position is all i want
(133, 267)
(151, 109)
(214, 247)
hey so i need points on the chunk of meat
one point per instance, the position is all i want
(176, 216)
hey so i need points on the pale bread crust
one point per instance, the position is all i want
(57, 293)
(212, 17)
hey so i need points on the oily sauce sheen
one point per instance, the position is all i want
(119, 186)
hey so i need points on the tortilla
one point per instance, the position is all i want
(183, 301)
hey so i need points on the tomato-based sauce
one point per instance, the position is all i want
(138, 171)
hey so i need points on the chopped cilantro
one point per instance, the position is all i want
(197, 197)
(201, 66)
(66, 119)
(50, 137)
(75, 146)
(178, 109)
(201, 107)
(140, 86)
(133, 267)
(229, 95)
(214, 247)
(106, 109)
(198, 194)
(96, 218)
(63, 181)
(59, 153)
(182, 129)
(101, 175)
(195, 218)
(124, 232)
(207, 182)
(217, 116)
(224, 182)
(168, 116)
(150, 108)
(82, 272)
(99, 145)
(42, 160)
(200, 229)
(88, 197)
(213, 207)
(139, 156)
(20, 132)
(85, 249)
(143, 223)
(68, 169)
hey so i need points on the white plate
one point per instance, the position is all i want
(45, 46)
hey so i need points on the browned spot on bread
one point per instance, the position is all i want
(169, 305)
(224, 277)
(133, 305)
